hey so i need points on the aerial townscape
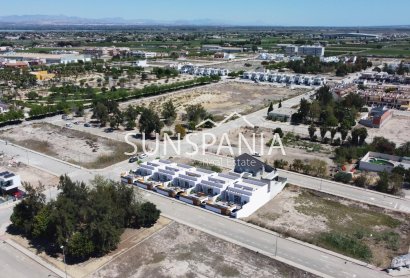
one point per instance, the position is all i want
(178, 138)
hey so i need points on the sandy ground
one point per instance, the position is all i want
(307, 214)
(222, 98)
(280, 214)
(28, 174)
(180, 251)
(66, 144)
(129, 240)
(397, 129)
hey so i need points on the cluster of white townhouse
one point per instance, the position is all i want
(234, 194)
(195, 70)
(298, 79)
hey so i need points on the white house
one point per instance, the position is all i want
(9, 181)
(234, 193)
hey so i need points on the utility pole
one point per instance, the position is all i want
(65, 264)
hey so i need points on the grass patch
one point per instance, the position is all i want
(158, 257)
(227, 271)
(346, 245)
(104, 161)
(389, 52)
(36, 145)
(355, 230)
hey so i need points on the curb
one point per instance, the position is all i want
(35, 258)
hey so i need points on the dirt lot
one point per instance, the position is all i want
(240, 65)
(73, 146)
(368, 233)
(180, 251)
(223, 98)
(397, 129)
(27, 173)
(129, 239)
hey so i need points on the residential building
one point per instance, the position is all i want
(377, 96)
(305, 50)
(377, 117)
(379, 162)
(237, 193)
(9, 181)
(22, 57)
(144, 54)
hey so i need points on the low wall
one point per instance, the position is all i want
(254, 205)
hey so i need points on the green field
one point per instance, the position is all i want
(389, 52)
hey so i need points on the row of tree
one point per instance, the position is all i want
(313, 65)
(314, 167)
(87, 221)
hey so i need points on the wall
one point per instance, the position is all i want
(186, 200)
(260, 201)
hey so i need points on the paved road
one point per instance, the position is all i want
(17, 265)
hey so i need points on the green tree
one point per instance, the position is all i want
(32, 95)
(323, 131)
(270, 108)
(24, 213)
(101, 113)
(80, 246)
(333, 132)
(312, 130)
(130, 116)
(147, 214)
(149, 122)
(168, 112)
(196, 113)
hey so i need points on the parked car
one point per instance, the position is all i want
(133, 159)
(256, 154)
(69, 125)
(143, 155)
(87, 125)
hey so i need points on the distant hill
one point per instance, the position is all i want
(72, 20)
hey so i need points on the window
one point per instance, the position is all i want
(210, 191)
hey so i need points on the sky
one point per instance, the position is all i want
(235, 12)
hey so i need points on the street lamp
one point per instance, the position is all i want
(65, 264)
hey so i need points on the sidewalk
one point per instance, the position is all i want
(36, 258)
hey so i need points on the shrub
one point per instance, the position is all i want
(347, 245)
(343, 177)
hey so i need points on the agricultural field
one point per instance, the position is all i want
(389, 52)
(80, 148)
(361, 231)
(186, 252)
